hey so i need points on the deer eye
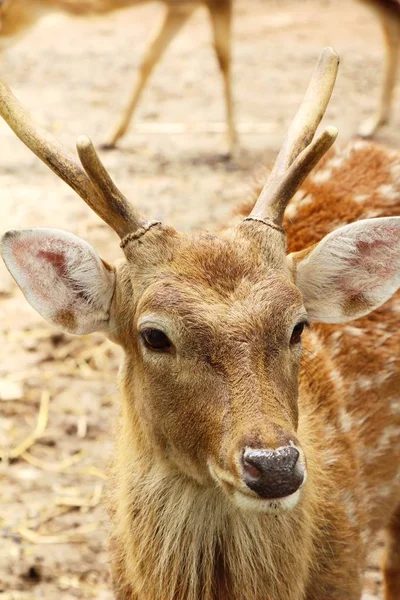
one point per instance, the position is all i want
(155, 339)
(297, 331)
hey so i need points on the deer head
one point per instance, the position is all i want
(211, 324)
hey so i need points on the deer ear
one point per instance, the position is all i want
(352, 271)
(62, 277)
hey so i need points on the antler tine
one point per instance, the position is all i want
(105, 200)
(118, 205)
(300, 153)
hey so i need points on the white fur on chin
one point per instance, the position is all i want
(278, 505)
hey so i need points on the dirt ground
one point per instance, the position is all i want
(74, 75)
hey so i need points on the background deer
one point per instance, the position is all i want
(16, 16)
(388, 12)
(249, 464)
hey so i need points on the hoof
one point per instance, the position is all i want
(369, 127)
(225, 156)
(108, 146)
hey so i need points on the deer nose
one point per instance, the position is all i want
(273, 473)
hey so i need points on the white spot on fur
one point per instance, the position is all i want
(363, 383)
(395, 305)
(367, 383)
(336, 335)
(291, 211)
(395, 406)
(395, 169)
(345, 420)
(389, 435)
(347, 499)
(353, 331)
(322, 176)
(385, 491)
(388, 191)
(337, 378)
(336, 162)
(372, 213)
(385, 441)
(361, 198)
(317, 345)
(299, 199)
(359, 145)
(329, 456)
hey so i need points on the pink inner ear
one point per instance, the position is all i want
(29, 255)
(373, 256)
(56, 259)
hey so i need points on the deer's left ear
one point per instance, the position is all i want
(62, 277)
(351, 272)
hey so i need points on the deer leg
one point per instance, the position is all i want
(390, 21)
(221, 20)
(174, 19)
(391, 559)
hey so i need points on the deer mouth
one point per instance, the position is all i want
(276, 505)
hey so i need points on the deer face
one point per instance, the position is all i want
(212, 341)
(210, 325)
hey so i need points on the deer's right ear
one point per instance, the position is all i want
(62, 277)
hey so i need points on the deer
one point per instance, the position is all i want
(388, 13)
(258, 441)
(18, 16)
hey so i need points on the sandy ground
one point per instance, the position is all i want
(74, 76)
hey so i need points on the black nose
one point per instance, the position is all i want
(273, 473)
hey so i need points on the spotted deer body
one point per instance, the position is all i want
(249, 464)
(18, 16)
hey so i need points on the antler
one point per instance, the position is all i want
(94, 186)
(300, 153)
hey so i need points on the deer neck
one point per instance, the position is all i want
(183, 541)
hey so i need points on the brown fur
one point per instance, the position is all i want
(65, 319)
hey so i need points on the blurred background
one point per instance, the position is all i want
(57, 393)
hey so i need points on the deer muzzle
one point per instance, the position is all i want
(272, 474)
